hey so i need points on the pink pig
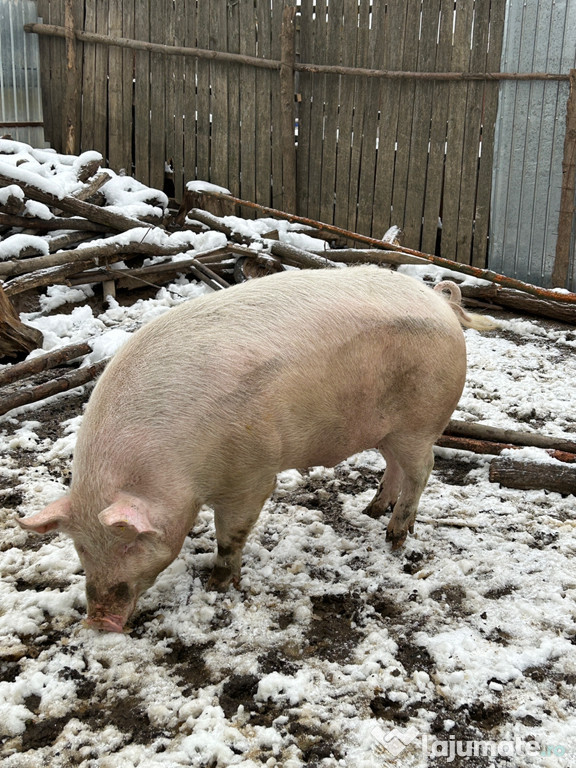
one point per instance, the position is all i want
(207, 403)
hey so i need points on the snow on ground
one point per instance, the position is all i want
(457, 650)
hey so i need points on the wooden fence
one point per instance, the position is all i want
(358, 113)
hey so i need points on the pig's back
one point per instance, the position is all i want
(282, 361)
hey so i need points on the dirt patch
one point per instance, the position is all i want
(332, 634)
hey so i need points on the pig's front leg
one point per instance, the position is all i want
(234, 519)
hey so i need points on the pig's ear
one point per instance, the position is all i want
(127, 520)
(51, 518)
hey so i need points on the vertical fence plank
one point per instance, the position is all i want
(316, 95)
(369, 220)
(248, 115)
(438, 127)
(263, 157)
(349, 117)
(116, 119)
(419, 141)
(401, 191)
(389, 111)
(158, 15)
(233, 111)
(170, 87)
(142, 95)
(329, 138)
(87, 141)
(304, 80)
(455, 132)
(218, 97)
(283, 112)
(474, 95)
(190, 100)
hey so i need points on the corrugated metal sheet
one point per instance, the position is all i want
(20, 97)
(530, 130)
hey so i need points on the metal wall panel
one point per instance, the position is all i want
(20, 97)
(529, 143)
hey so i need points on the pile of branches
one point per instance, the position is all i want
(95, 243)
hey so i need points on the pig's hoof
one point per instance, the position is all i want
(221, 578)
(376, 511)
(396, 539)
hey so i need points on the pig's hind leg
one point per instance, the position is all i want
(234, 518)
(389, 487)
(415, 456)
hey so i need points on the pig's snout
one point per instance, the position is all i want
(109, 609)
(107, 622)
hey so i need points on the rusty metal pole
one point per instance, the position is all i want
(566, 215)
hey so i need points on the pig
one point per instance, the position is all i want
(208, 402)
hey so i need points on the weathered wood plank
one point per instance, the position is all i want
(330, 138)
(279, 172)
(306, 80)
(233, 114)
(485, 162)
(420, 128)
(401, 190)
(317, 95)
(88, 81)
(248, 116)
(389, 111)
(264, 123)
(455, 134)
(218, 97)
(369, 220)
(158, 13)
(142, 95)
(342, 132)
(190, 95)
(100, 116)
(438, 127)
(116, 122)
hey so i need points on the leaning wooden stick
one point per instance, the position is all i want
(467, 269)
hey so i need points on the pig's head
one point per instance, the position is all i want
(121, 551)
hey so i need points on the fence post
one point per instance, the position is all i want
(288, 48)
(566, 215)
(71, 95)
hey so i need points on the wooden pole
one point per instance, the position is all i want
(52, 30)
(71, 96)
(467, 269)
(287, 90)
(566, 215)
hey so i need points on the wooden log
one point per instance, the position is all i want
(92, 254)
(373, 256)
(47, 225)
(467, 269)
(488, 447)
(510, 436)
(530, 475)
(40, 392)
(15, 337)
(20, 371)
(117, 222)
(13, 205)
(90, 189)
(530, 305)
(300, 258)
